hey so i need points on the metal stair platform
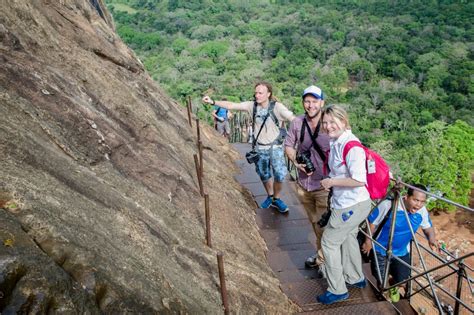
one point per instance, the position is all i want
(290, 239)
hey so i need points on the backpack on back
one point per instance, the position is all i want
(377, 170)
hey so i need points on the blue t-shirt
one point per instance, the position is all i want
(222, 112)
(402, 235)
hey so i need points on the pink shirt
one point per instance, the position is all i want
(309, 183)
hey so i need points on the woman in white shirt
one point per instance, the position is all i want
(350, 206)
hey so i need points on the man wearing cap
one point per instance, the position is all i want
(305, 138)
(271, 166)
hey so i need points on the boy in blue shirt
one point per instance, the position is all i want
(418, 215)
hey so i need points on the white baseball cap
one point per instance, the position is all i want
(315, 91)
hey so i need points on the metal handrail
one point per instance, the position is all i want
(449, 263)
(436, 196)
(431, 270)
(460, 270)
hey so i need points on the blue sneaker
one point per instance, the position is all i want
(280, 205)
(361, 284)
(267, 202)
(329, 298)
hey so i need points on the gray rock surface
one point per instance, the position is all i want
(100, 211)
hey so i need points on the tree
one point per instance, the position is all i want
(403, 73)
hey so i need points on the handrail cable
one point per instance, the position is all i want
(437, 197)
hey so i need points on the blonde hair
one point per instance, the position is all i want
(337, 112)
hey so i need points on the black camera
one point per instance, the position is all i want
(305, 158)
(252, 157)
(324, 218)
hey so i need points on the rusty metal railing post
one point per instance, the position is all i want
(198, 128)
(188, 106)
(208, 220)
(198, 172)
(199, 147)
(220, 265)
(201, 162)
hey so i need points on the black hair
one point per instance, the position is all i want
(419, 186)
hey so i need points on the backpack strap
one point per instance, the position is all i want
(254, 114)
(377, 231)
(270, 111)
(274, 117)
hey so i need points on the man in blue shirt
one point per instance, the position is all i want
(221, 116)
(418, 215)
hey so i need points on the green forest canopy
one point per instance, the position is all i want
(403, 69)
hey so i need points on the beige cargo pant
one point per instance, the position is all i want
(343, 262)
(315, 203)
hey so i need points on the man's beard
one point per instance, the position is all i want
(315, 115)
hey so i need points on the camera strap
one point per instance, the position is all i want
(316, 146)
(254, 142)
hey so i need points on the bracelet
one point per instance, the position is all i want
(213, 102)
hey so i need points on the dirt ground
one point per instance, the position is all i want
(456, 229)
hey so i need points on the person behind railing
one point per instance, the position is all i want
(350, 204)
(221, 120)
(270, 160)
(305, 146)
(414, 202)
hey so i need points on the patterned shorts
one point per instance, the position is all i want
(271, 160)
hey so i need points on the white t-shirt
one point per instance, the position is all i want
(353, 167)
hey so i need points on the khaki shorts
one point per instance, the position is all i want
(223, 127)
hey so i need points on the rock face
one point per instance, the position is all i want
(100, 210)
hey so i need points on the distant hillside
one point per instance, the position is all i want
(404, 69)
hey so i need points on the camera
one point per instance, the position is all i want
(324, 218)
(252, 157)
(305, 158)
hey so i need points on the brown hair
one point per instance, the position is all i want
(269, 88)
(338, 112)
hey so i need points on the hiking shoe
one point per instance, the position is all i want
(280, 205)
(310, 262)
(361, 284)
(329, 298)
(267, 203)
(394, 295)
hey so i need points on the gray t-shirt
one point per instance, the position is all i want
(270, 131)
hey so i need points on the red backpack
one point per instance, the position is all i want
(378, 172)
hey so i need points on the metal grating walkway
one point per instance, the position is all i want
(290, 239)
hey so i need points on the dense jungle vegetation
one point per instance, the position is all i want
(403, 69)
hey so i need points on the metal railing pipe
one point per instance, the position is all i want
(438, 197)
